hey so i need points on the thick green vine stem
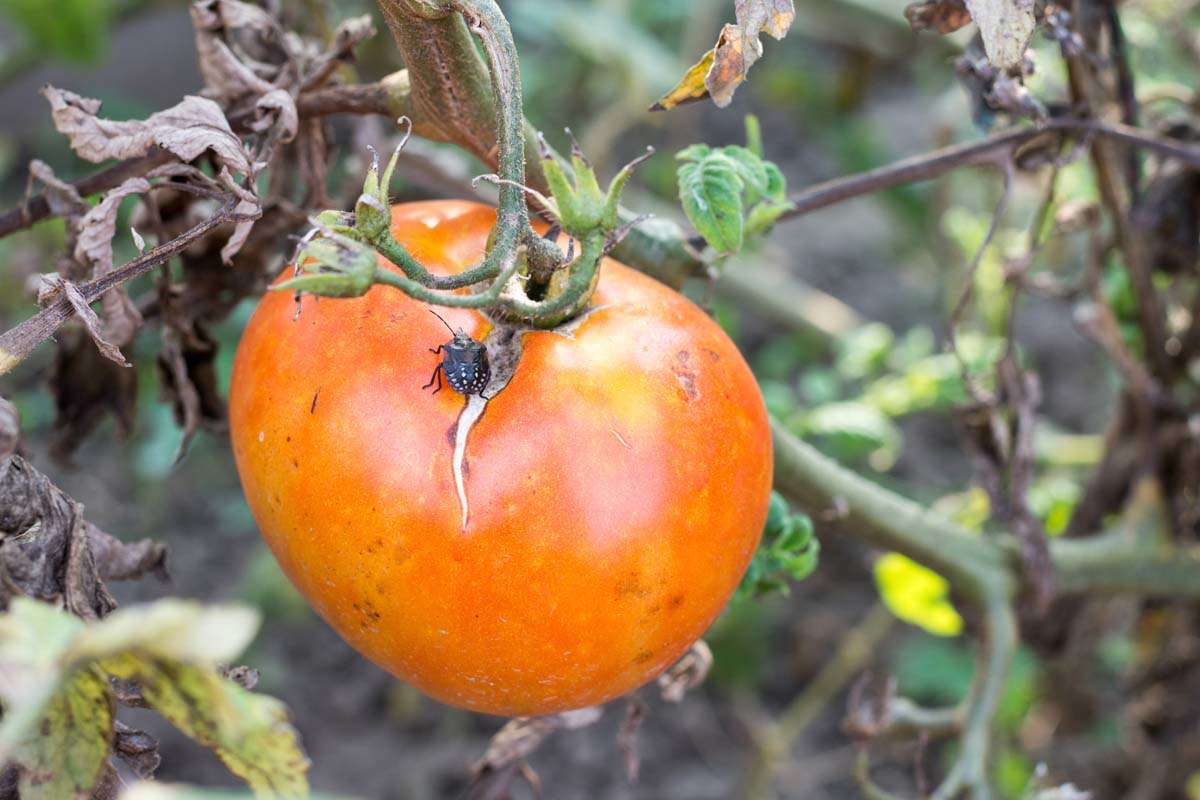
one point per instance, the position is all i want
(522, 277)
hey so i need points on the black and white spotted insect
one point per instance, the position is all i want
(465, 363)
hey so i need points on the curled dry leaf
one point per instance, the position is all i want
(635, 714)
(87, 387)
(187, 372)
(1006, 27)
(721, 70)
(49, 552)
(94, 246)
(189, 129)
(943, 16)
(522, 736)
(52, 286)
(687, 673)
(10, 429)
(137, 749)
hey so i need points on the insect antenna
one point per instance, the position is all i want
(447, 324)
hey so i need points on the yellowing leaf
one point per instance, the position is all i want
(249, 732)
(721, 70)
(174, 629)
(917, 595)
(62, 757)
(690, 88)
(58, 721)
(33, 638)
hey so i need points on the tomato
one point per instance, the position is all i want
(617, 487)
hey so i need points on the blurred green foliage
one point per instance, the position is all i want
(75, 31)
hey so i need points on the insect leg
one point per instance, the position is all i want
(437, 376)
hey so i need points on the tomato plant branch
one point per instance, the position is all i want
(18, 342)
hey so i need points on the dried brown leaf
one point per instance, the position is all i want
(189, 130)
(522, 736)
(54, 285)
(773, 17)
(187, 371)
(138, 749)
(123, 561)
(62, 197)
(687, 673)
(635, 715)
(87, 387)
(10, 428)
(94, 246)
(1006, 27)
(721, 70)
(217, 14)
(943, 16)
(45, 551)
(226, 77)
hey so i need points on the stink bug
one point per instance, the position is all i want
(465, 363)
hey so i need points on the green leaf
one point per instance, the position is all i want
(917, 595)
(711, 193)
(776, 183)
(694, 152)
(764, 215)
(856, 429)
(76, 30)
(788, 551)
(752, 171)
(63, 756)
(249, 732)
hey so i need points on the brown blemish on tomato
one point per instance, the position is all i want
(632, 584)
(675, 602)
(643, 657)
(685, 375)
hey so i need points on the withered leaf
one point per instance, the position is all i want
(45, 549)
(1006, 27)
(943, 16)
(94, 246)
(138, 749)
(10, 428)
(189, 129)
(62, 197)
(522, 736)
(215, 14)
(187, 371)
(721, 70)
(687, 673)
(87, 387)
(54, 285)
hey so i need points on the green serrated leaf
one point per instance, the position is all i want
(776, 183)
(249, 732)
(752, 171)
(695, 152)
(711, 193)
(63, 756)
(788, 552)
(764, 215)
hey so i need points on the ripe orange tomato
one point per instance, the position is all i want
(617, 487)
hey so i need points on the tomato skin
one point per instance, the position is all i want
(617, 487)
